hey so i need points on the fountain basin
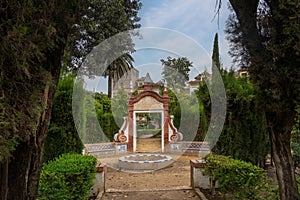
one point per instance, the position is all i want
(144, 162)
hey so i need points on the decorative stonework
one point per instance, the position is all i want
(122, 138)
(148, 103)
(122, 135)
(175, 136)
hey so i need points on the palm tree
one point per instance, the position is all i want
(117, 69)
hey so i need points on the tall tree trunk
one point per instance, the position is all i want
(280, 119)
(4, 179)
(110, 86)
(280, 135)
(25, 164)
(33, 80)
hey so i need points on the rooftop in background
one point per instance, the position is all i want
(131, 79)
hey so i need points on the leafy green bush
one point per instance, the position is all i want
(240, 178)
(296, 153)
(69, 176)
(62, 136)
(105, 117)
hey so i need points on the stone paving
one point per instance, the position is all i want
(152, 195)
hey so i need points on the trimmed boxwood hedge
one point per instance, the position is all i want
(241, 179)
(70, 176)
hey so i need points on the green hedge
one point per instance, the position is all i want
(70, 176)
(295, 146)
(239, 178)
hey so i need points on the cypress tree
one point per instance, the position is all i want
(216, 55)
(62, 136)
(244, 135)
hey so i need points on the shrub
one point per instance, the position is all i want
(244, 135)
(296, 153)
(242, 179)
(69, 176)
(62, 136)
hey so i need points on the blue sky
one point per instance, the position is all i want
(192, 18)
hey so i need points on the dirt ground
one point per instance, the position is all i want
(176, 175)
(172, 182)
(152, 195)
(169, 183)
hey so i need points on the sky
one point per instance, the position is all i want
(191, 19)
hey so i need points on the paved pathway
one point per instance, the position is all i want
(152, 195)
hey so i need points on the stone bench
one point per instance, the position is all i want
(190, 147)
(194, 147)
(100, 148)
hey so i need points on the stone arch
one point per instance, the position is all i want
(148, 101)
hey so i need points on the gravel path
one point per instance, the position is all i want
(172, 182)
(175, 175)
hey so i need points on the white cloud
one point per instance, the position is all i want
(191, 17)
(187, 16)
(158, 43)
